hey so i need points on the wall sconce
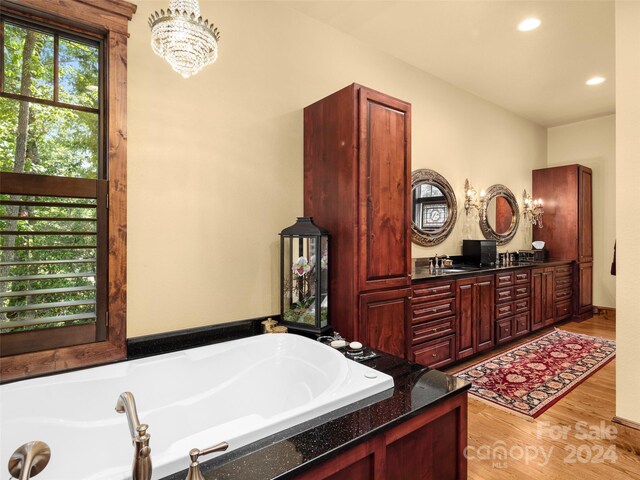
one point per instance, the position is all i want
(532, 210)
(471, 200)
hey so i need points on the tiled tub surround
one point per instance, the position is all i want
(239, 391)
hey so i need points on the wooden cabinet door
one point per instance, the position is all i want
(385, 191)
(585, 216)
(484, 312)
(384, 319)
(536, 299)
(466, 321)
(585, 288)
(548, 313)
(428, 453)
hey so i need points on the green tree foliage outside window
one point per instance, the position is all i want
(49, 125)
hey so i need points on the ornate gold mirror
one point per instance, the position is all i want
(433, 208)
(499, 214)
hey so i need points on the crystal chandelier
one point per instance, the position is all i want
(182, 38)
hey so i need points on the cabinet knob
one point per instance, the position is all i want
(434, 355)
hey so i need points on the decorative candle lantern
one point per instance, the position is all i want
(304, 277)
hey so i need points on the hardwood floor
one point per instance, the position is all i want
(554, 445)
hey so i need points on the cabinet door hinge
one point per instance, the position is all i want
(108, 198)
(106, 318)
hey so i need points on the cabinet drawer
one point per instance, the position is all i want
(563, 282)
(429, 291)
(521, 324)
(521, 306)
(505, 310)
(436, 353)
(504, 279)
(423, 312)
(522, 277)
(430, 330)
(563, 294)
(521, 291)
(563, 310)
(503, 330)
(504, 295)
(563, 270)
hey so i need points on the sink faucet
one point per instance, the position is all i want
(442, 258)
(139, 437)
(29, 460)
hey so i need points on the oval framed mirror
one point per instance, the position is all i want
(433, 208)
(499, 214)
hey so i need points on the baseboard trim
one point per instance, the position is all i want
(626, 423)
(628, 436)
(597, 308)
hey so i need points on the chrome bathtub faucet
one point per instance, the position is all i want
(139, 437)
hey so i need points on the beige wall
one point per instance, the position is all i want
(627, 225)
(592, 143)
(215, 161)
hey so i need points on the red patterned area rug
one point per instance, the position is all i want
(532, 377)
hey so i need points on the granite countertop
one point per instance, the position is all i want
(292, 451)
(424, 273)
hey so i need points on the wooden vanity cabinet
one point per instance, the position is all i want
(433, 323)
(513, 304)
(568, 225)
(383, 320)
(475, 317)
(357, 185)
(563, 292)
(542, 313)
(429, 446)
(551, 295)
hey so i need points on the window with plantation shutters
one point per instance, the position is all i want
(53, 268)
(53, 189)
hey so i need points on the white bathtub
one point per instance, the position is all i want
(237, 391)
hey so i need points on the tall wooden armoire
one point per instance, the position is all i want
(357, 185)
(568, 225)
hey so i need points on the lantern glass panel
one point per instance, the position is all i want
(300, 281)
(324, 281)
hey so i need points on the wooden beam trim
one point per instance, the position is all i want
(96, 14)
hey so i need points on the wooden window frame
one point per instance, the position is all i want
(108, 20)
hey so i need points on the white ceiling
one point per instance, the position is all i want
(475, 45)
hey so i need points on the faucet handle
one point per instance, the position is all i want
(195, 453)
(29, 459)
(141, 430)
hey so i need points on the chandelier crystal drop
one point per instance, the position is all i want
(183, 38)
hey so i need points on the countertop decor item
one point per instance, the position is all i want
(183, 38)
(530, 378)
(304, 273)
(538, 244)
(268, 325)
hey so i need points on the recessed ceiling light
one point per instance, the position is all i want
(529, 24)
(595, 81)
